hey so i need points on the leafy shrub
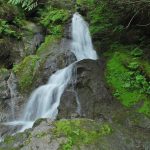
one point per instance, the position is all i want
(133, 65)
(100, 18)
(5, 29)
(53, 16)
(53, 19)
(137, 52)
(26, 4)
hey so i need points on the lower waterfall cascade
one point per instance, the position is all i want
(44, 101)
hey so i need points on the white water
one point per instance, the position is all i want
(81, 44)
(45, 100)
(13, 93)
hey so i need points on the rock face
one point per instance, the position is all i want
(88, 92)
(83, 134)
(13, 50)
(4, 94)
(57, 56)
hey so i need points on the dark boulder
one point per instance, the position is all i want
(88, 93)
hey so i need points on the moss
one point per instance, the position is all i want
(145, 108)
(124, 76)
(38, 121)
(49, 40)
(80, 132)
(25, 71)
(4, 73)
(9, 139)
(41, 134)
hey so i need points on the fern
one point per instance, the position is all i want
(26, 4)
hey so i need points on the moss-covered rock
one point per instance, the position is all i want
(46, 45)
(4, 74)
(25, 71)
(82, 134)
(126, 76)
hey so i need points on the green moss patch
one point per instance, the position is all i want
(25, 71)
(80, 132)
(125, 74)
(9, 142)
(4, 73)
(49, 40)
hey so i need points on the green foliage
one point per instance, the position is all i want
(133, 65)
(145, 108)
(126, 78)
(5, 29)
(9, 139)
(85, 2)
(118, 28)
(137, 52)
(100, 18)
(78, 133)
(25, 4)
(53, 19)
(25, 71)
(53, 15)
(4, 74)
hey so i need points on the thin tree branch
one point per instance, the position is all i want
(143, 25)
(131, 20)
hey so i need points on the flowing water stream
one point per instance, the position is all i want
(45, 100)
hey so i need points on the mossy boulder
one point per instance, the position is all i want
(25, 71)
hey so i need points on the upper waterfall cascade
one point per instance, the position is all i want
(44, 101)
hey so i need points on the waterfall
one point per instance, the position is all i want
(45, 100)
(81, 44)
(13, 92)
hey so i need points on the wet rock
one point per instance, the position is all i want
(57, 56)
(91, 91)
(69, 105)
(4, 94)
